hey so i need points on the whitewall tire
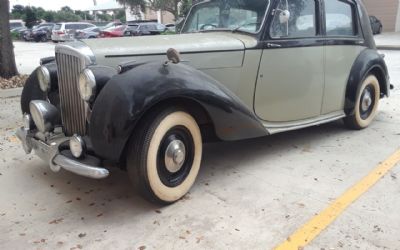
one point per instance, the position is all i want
(165, 155)
(366, 106)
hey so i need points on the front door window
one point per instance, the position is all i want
(294, 19)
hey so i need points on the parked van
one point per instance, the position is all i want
(16, 24)
(66, 31)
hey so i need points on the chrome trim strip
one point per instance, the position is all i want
(275, 128)
(71, 60)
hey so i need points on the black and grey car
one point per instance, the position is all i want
(238, 70)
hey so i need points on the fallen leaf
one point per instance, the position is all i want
(56, 221)
(81, 235)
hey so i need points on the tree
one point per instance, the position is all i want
(30, 17)
(185, 7)
(8, 68)
(172, 6)
(134, 4)
(17, 11)
(67, 9)
(49, 16)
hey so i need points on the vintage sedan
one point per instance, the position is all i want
(239, 70)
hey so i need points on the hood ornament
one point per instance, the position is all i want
(173, 56)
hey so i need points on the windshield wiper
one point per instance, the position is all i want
(214, 30)
(243, 25)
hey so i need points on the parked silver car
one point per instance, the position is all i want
(63, 32)
(239, 70)
(91, 32)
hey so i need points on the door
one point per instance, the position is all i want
(343, 45)
(290, 82)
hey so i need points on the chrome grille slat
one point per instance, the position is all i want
(73, 108)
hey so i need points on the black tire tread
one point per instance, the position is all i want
(137, 153)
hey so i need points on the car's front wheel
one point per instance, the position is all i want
(366, 106)
(164, 155)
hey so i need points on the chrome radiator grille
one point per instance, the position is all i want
(73, 108)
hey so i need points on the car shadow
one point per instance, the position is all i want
(96, 198)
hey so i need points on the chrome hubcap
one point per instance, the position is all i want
(366, 102)
(175, 156)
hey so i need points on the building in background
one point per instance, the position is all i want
(161, 16)
(388, 11)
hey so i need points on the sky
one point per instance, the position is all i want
(57, 4)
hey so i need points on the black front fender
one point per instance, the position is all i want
(127, 97)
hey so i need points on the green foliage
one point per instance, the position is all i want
(15, 35)
(120, 15)
(176, 7)
(18, 11)
(168, 32)
(66, 16)
(49, 16)
(30, 17)
(33, 15)
(134, 4)
(67, 9)
(185, 7)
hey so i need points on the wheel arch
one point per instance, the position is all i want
(129, 96)
(191, 106)
(368, 62)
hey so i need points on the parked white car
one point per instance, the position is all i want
(66, 31)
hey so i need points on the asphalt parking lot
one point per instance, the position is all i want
(251, 194)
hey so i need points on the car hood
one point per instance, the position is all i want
(202, 50)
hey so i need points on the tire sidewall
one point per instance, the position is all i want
(369, 80)
(161, 191)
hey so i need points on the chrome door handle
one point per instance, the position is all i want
(273, 45)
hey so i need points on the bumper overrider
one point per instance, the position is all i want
(41, 135)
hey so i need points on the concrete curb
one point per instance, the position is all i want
(388, 47)
(6, 93)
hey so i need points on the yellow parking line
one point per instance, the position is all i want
(318, 223)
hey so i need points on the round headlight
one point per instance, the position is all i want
(43, 76)
(44, 115)
(87, 85)
(77, 146)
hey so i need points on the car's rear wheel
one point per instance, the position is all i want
(366, 106)
(164, 155)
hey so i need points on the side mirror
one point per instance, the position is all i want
(284, 16)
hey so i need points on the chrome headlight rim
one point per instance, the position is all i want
(77, 146)
(45, 116)
(43, 75)
(87, 85)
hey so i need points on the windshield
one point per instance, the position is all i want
(227, 14)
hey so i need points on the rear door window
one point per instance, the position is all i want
(71, 26)
(340, 18)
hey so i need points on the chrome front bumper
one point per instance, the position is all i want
(49, 152)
